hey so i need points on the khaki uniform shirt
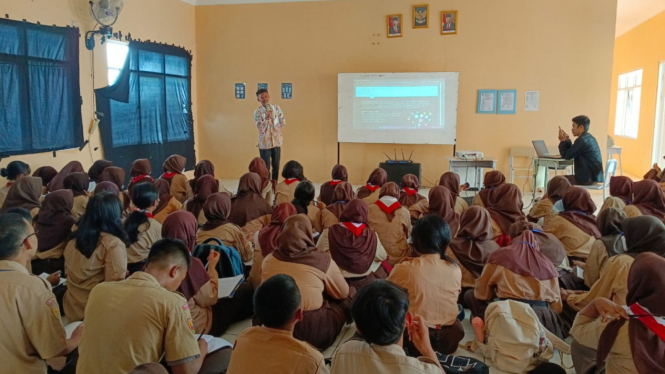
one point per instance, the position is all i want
(314, 214)
(179, 187)
(324, 245)
(359, 357)
(393, 235)
(372, 198)
(542, 209)
(612, 283)
(468, 280)
(108, 263)
(200, 305)
(328, 219)
(279, 353)
(3, 194)
(596, 262)
(173, 206)
(577, 242)
(32, 330)
(587, 332)
(255, 272)
(477, 200)
(433, 285)
(268, 194)
(419, 209)
(80, 203)
(201, 219)
(55, 252)
(149, 233)
(460, 205)
(284, 192)
(632, 211)
(231, 235)
(613, 202)
(222, 189)
(253, 226)
(134, 322)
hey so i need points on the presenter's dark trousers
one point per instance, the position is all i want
(274, 154)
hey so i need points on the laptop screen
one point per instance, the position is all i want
(541, 148)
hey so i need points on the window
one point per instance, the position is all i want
(40, 97)
(116, 54)
(628, 104)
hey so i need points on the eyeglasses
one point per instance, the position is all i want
(34, 233)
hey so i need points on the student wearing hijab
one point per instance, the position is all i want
(106, 187)
(116, 176)
(204, 167)
(303, 200)
(493, 179)
(550, 246)
(249, 210)
(341, 196)
(451, 181)
(139, 173)
(576, 226)
(633, 339)
(293, 174)
(648, 199)
(556, 187)
(173, 167)
(205, 186)
(339, 175)
(315, 274)
(521, 272)
(265, 240)
(24, 193)
(57, 183)
(167, 203)
(371, 190)
(47, 173)
(355, 247)
(216, 209)
(14, 171)
(409, 195)
(96, 170)
(141, 227)
(504, 203)
(258, 166)
(392, 223)
(472, 246)
(621, 193)
(442, 204)
(53, 225)
(433, 281)
(78, 183)
(611, 243)
(96, 252)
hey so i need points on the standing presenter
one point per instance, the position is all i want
(269, 120)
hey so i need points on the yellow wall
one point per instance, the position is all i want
(561, 48)
(640, 48)
(166, 21)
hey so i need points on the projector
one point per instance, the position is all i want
(469, 154)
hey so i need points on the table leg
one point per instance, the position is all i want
(620, 165)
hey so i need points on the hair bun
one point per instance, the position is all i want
(4, 172)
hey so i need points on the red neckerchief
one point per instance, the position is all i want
(356, 230)
(657, 325)
(372, 188)
(335, 182)
(144, 212)
(410, 191)
(290, 180)
(9, 184)
(136, 179)
(388, 209)
(169, 175)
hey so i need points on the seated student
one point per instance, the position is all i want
(293, 175)
(451, 181)
(576, 226)
(492, 180)
(142, 319)
(78, 183)
(57, 183)
(381, 313)
(392, 223)
(504, 203)
(409, 195)
(303, 200)
(520, 272)
(342, 195)
(442, 204)
(472, 245)
(205, 186)
(277, 303)
(32, 329)
(53, 225)
(585, 152)
(152, 368)
(643, 234)
(648, 199)
(167, 203)
(24, 193)
(47, 173)
(249, 210)
(621, 188)
(355, 247)
(370, 191)
(116, 176)
(339, 175)
(265, 240)
(433, 281)
(258, 166)
(174, 166)
(315, 274)
(204, 167)
(602, 335)
(96, 252)
(141, 227)
(13, 172)
(210, 314)
(556, 187)
(96, 170)
(216, 209)
(106, 187)
(611, 243)
(139, 173)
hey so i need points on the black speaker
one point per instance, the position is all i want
(397, 170)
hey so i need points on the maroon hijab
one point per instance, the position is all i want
(58, 182)
(549, 244)
(248, 204)
(351, 252)
(557, 187)
(377, 179)
(54, 221)
(258, 166)
(450, 181)
(78, 183)
(410, 187)
(268, 235)
(204, 167)
(174, 164)
(106, 187)
(579, 210)
(216, 209)
(341, 196)
(505, 205)
(47, 173)
(140, 173)
(205, 186)
(98, 168)
(114, 175)
(339, 175)
(648, 198)
(493, 180)
(473, 243)
(24, 193)
(442, 204)
(622, 188)
(164, 190)
(522, 256)
(296, 245)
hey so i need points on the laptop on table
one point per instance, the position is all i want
(541, 150)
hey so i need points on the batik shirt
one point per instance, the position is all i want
(270, 132)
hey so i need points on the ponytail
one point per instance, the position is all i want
(144, 196)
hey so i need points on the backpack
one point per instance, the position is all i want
(515, 339)
(230, 263)
(461, 365)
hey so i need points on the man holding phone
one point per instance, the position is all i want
(585, 152)
(269, 121)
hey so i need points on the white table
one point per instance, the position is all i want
(611, 151)
(478, 163)
(548, 163)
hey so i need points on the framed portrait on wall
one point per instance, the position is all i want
(449, 22)
(394, 24)
(420, 16)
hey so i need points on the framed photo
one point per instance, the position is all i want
(394, 25)
(420, 16)
(449, 22)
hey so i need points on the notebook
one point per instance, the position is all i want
(215, 344)
(228, 286)
(45, 275)
(69, 329)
